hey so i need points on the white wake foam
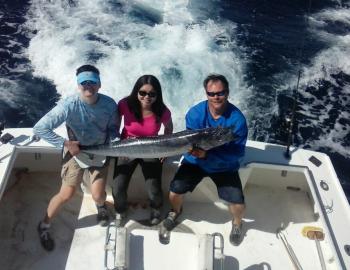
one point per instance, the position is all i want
(336, 57)
(176, 48)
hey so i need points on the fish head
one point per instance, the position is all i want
(213, 137)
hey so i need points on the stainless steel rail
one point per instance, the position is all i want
(218, 251)
(289, 249)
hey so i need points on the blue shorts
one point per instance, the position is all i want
(228, 183)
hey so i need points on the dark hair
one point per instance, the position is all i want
(87, 68)
(134, 104)
(215, 78)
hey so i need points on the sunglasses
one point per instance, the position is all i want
(84, 83)
(219, 94)
(150, 94)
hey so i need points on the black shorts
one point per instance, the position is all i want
(228, 183)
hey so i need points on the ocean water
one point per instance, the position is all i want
(259, 45)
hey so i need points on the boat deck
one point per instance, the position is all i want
(80, 242)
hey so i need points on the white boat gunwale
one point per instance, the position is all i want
(320, 206)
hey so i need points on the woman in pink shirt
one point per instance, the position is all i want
(144, 112)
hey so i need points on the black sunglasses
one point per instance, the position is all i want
(88, 83)
(219, 94)
(150, 94)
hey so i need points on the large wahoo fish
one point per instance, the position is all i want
(163, 145)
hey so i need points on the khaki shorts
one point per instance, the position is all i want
(72, 174)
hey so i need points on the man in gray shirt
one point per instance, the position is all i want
(91, 118)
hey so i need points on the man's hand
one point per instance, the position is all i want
(198, 153)
(73, 147)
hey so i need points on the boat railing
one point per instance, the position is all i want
(218, 250)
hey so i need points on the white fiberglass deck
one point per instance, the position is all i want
(80, 242)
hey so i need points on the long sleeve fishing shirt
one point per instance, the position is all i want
(226, 157)
(91, 124)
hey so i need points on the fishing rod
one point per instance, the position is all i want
(290, 121)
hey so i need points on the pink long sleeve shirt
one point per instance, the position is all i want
(148, 127)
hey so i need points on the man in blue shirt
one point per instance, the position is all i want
(90, 118)
(221, 164)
